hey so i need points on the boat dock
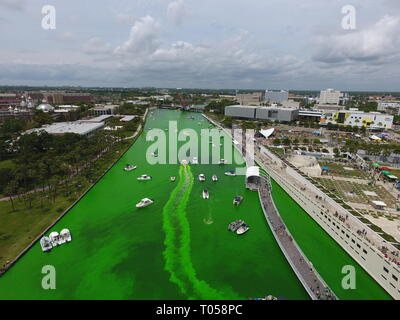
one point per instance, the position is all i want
(308, 276)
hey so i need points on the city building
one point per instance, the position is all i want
(392, 107)
(276, 96)
(329, 96)
(372, 120)
(280, 114)
(250, 99)
(291, 104)
(77, 127)
(328, 107)
(101, 109)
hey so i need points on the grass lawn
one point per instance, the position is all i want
(337, 169)
(8, 164)
(18, 228)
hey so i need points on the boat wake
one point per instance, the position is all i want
(177, 243)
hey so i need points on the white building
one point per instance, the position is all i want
(329, 96)
(77, 127)
(371, 120)
(392, 107)
(276, 96)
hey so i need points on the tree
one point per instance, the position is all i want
(10, 191)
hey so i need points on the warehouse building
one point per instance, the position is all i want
(262, 113)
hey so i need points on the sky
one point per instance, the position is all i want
(216, 44)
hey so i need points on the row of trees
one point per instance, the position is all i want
(46, 162)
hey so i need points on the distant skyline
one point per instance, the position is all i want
(225, 44)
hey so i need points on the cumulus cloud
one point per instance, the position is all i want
(142, 37)
(379, 44)
(145, 55)
(176, 12)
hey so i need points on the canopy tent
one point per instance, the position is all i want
(267, 133)
(325, 168)
(376, 165)
(392, 177)
(384, 168)
(379, 203)
(386, 173)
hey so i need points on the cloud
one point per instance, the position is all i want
(176, 12)
(142, 37)
(378, 44)
(18, 5)
(97, 46)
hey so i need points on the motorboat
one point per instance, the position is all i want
(54, 238)
(144, 177)
(202, 177)
(130, 167)
(230, 173)
(172, 179)
(155, 154)
(242, 229)
(65, 235)
(45, 243)
(237, 200)
(206, 194)
(222, 161)
(235, 225)
(144, 203)
(195, 160)
(214, 178)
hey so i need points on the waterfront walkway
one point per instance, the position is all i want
(304, 270)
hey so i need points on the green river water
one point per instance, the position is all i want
(179, 247)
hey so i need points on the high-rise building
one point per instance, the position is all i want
(276, 96)
(330, 96)
(250, 99)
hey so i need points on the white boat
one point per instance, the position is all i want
(242, 229)
(45, 243)
(144, 203)
(214, 178)
(155, 154)
(54, 238)
(130, 167)
(206, 195)
(195, 161)
(144, 177)
(172, 179)
(202, 177)
(65, 234)
(222, 161)
(230, 173)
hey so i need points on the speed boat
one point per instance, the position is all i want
(45, 243)
(202, 177)
(222, 161)
(230, 173)
(155, 154)
(144, 177)
(130, 167)
(65, 235)
(54, 238)
(172, 179)
(195, 161)
(237, 200)
(144, 203)
(214, 178)
(206, 195)
(242, 229)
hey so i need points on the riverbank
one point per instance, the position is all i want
(22, 228)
